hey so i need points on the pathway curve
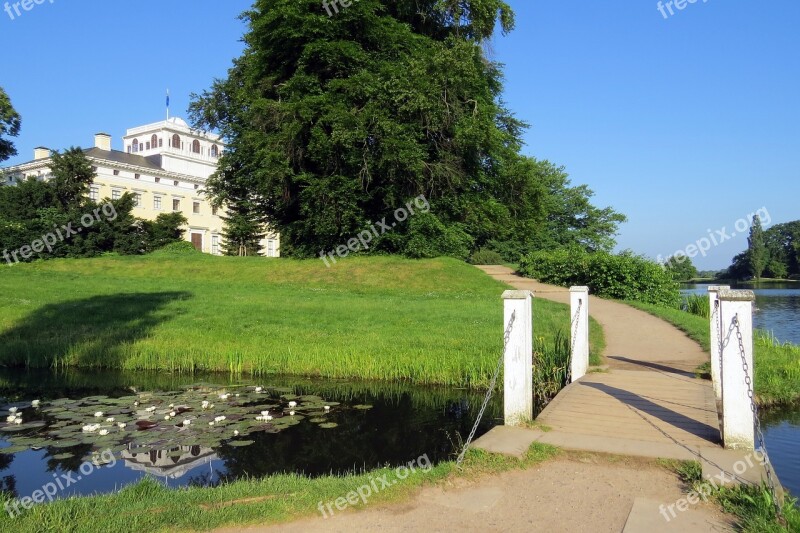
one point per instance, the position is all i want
(650, 393)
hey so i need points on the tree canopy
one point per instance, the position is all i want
(334, 122)
(10, 124)
(778, 255)
(56, 218)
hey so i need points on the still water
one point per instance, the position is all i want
(777, 310)
(401, 424)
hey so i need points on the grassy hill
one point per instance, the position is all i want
(435, 321)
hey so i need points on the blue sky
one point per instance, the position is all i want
(685, 124)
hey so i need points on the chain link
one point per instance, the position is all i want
(492, 384)
(754, 408)
(574, 329)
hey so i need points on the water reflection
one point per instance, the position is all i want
(405, 422)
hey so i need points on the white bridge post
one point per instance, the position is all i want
(715, 322)
(518, 358)
(738, 419)
(579, 331)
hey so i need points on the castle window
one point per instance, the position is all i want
(176, 141)
(176, 204)
(135, 145)
(157, 203)
(137, 199)
(116, 172)
(154, 141)
(214, 151)
(196, 208)
(116, 194)
(196, 146)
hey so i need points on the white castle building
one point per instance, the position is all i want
(165, 166)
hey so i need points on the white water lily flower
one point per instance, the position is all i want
(327, 407)
(259, 389)
(150, 409)
(18, 421)
(187, 422)
(98, 414)
(219, 419)
(166, 417)
(235, 432)
(35, 403)
(292, 404)
(122, 425)
(172, 413)
(13, 409)
(267, 418)
(171, 405)
(136, 404)
(224, 396)
(211, 423)
(237, 395)
(291, 413)
(110, 419)
(10, 418)
(103, 432)
(264, 413)
(205, 404)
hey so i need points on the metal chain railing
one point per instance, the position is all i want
(754, 408)
(489, 392)
(574, 329)
(719, 332)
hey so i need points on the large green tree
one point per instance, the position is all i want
(333, 123)
(10, 124)
(757, 255)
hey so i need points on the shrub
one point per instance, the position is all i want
(622, 276)
(485, 256)
(177, 248)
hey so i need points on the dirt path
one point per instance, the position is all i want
(580, 493)
(574, 493)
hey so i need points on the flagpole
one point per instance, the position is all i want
(167, 105)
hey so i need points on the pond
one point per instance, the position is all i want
(777, 310)
(338, 427)
(777, 307)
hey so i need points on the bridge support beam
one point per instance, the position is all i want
(518, 358)
(715, 325)
(579, 331)
(738, 416)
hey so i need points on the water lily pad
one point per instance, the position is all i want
(329, 425)
(63, 456)
(241, 443)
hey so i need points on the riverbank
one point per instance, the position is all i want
(378, 318)
(777, 366)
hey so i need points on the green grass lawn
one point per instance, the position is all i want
(777, 379)
(385, 318)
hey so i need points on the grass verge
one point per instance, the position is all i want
(148, 506)
(376, 318)
(777, 366)
(753, 506)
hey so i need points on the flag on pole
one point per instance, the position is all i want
(167, 104)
